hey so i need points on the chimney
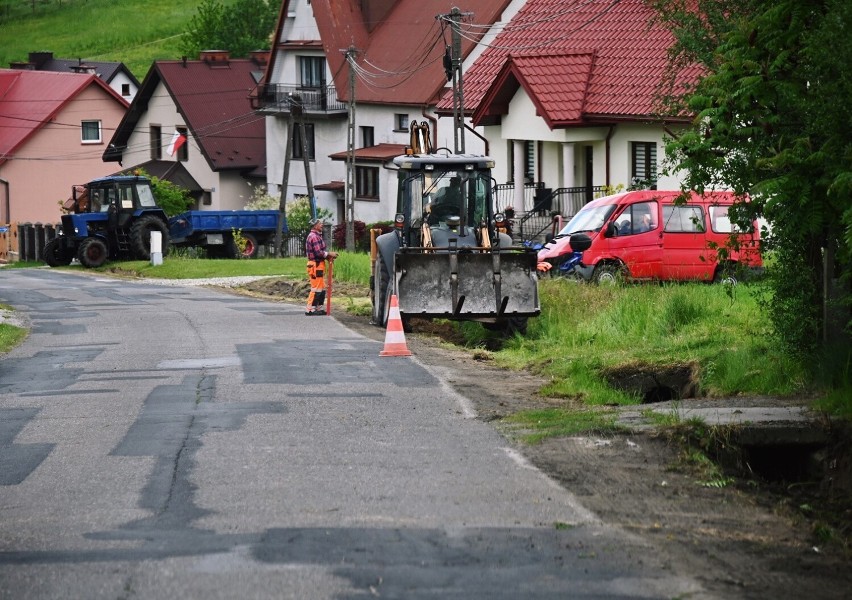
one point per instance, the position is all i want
(39, 58)
(215, 58)
(260, 57)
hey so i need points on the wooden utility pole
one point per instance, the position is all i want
(350, 155)
(297, 110)
(282, 202)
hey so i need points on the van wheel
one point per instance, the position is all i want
(608, 275)
(725, 274)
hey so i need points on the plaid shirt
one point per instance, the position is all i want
(315, 247)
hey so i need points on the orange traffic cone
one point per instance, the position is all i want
(395, 337)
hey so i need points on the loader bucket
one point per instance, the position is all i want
(467, 284)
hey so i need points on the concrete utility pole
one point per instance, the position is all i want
(455, 17)
(350, 155)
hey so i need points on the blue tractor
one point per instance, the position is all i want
(110, 218)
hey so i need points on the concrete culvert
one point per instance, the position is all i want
(655, 382)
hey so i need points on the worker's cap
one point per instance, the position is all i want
(313, 222)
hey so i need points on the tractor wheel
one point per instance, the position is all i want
(381, 295)
(140, 236)
(93, 252)
(55, 255)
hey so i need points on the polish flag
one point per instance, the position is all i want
(178, 140)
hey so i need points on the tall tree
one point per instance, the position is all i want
(772, 122)
(239, 28)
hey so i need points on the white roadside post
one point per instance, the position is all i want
(156, 248)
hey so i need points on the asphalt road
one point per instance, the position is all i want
(180, 442)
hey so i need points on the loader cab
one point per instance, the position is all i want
(449, 194)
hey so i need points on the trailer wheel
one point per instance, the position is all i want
(140, 236)
(93, 252)
(250, 250)
(55, 255)
(381, 295)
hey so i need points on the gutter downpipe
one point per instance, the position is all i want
(608, 138)
(5, 183)
(484, 141)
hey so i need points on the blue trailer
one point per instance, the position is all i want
(214, 230)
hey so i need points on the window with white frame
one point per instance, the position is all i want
(91, 132)
(312, 71)
(401, 122)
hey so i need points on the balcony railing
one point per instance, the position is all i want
(284, 98)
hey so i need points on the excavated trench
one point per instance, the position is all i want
(790, 453)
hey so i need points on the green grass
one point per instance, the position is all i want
(10, 336)
(353, 267)
(536, 425)
(584, 329)
(135, 32)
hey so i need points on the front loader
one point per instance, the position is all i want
(445, 257)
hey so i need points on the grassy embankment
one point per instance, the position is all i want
(135, 32)
(585, 329)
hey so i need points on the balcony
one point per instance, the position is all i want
(280, 98)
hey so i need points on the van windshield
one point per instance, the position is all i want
(588, 219)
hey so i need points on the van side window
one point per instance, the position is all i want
(637, 218)
(683, 219)
(720, 221)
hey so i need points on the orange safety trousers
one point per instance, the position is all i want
(316, 275)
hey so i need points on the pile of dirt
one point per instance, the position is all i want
(745, 537)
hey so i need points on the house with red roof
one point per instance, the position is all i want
(561, 94)
(566, 93)
(396, 62)
(53, 130)
(221, 156)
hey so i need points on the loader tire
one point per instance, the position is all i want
(55, 255)
(381, 297)
(140, 236)
(93, 252)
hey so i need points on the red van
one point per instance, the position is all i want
(646, 235)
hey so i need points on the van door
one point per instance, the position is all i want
(686, 254)
(637, 242)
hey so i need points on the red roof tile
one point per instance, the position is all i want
(546, 47)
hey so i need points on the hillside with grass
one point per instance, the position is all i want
(135, 32)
